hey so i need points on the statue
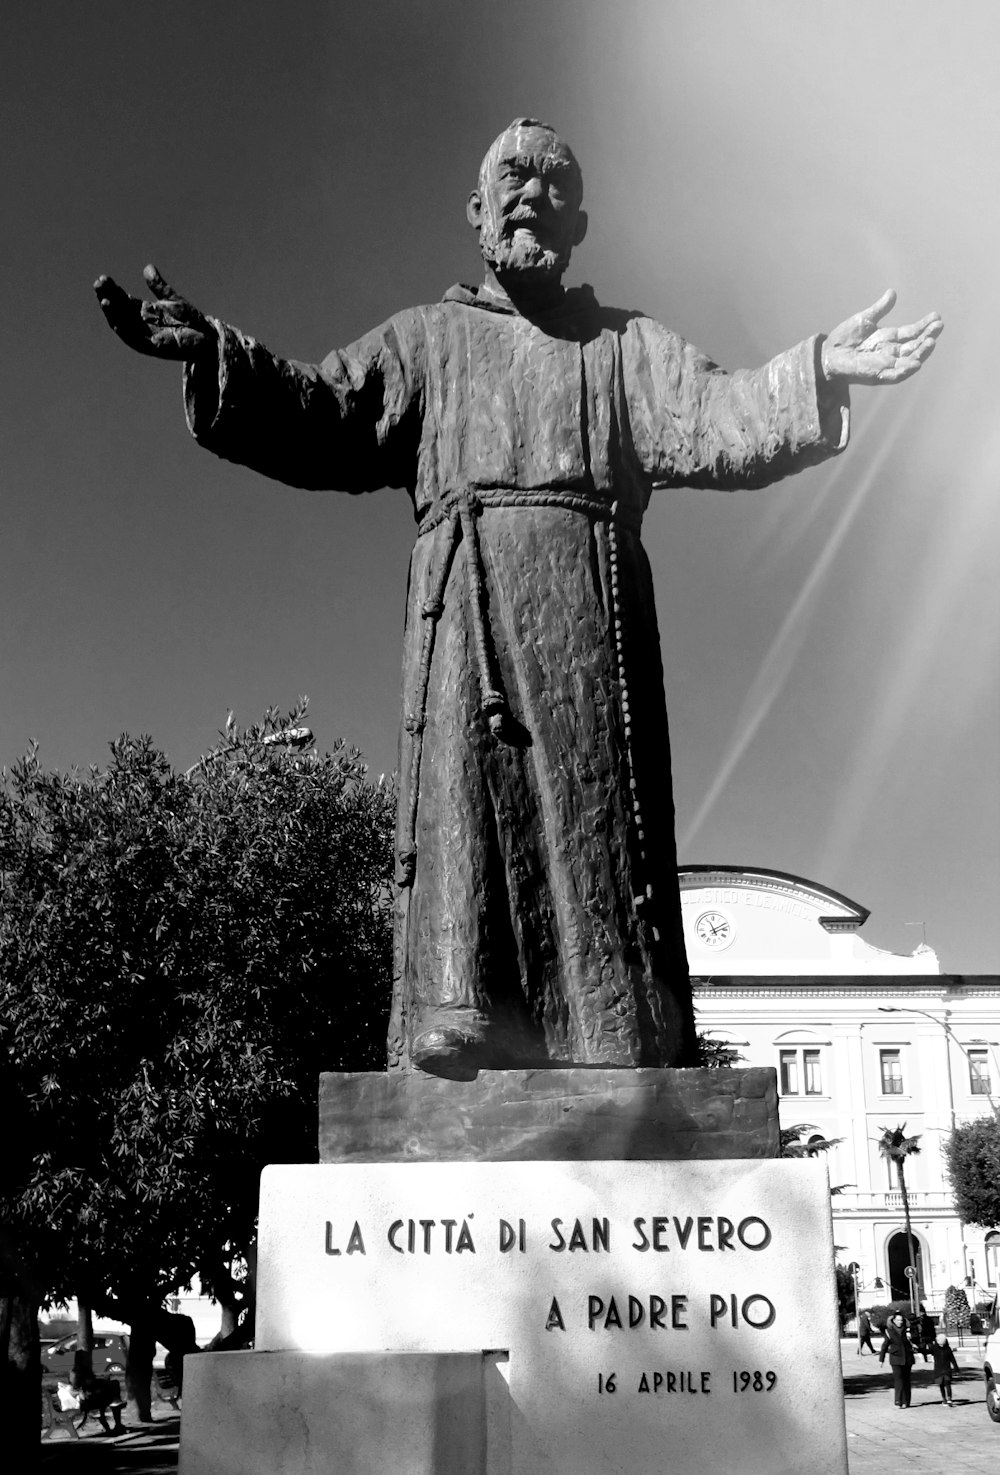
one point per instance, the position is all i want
(538, 915)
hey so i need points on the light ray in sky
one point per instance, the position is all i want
(776, 666)
(939, 588)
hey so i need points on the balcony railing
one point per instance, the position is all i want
(891, 1201)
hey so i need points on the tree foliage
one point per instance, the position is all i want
(794, 1143)
(896, 1147)
(716, 1054)
(972, 1154)
(956, 1314)
(180, 955)
(845, 1294)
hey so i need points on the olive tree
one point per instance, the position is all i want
(180, 955)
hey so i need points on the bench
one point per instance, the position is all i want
(167, 1388)
(103, 1396)
(56, 1417)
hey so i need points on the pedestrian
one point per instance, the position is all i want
(921, 1333)
(900, 1351)
(944, 1362)
(865, 1334)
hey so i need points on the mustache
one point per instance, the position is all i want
(523, 215)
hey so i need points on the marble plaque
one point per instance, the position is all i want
(657, 1315)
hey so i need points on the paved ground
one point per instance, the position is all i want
(881, 1439)
(929, 1436)
(149, 1450)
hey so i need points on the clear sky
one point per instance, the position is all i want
(754, 173)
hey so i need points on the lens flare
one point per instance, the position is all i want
(777, 665)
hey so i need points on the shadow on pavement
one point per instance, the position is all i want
(856, 1385)
(150, 1450)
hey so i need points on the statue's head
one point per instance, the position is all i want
(527, 205)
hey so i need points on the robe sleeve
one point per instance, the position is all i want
(693, 424)
(349, 424)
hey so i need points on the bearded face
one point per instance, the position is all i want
(527, 207)
(513, 245)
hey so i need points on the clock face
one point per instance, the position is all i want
(714, 930)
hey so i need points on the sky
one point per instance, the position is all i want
(754, 173)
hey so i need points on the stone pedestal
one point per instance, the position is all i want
(653, 1315)
(295, 1413)
(572, 1114)
(586, 1272)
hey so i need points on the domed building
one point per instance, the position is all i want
(861, 1039)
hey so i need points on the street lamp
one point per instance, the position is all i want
(949, 1035)
(287, 737)
(877, 1285)
(898, 1009)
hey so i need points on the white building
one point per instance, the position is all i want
(861, 1040)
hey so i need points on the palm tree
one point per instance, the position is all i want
(792, 1144)
(896, 1147)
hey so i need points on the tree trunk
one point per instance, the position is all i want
(83, 1357)
(20, 1381)
(139, 1368)
(236, 1300)
(914, 1287)
(229, 1319)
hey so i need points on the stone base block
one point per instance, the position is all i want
(560, 1114)
(294, 1413)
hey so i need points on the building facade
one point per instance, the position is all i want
(861, 1039)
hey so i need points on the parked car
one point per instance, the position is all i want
(110, 1349)
(991, 1372)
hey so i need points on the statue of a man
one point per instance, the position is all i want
(538, 914)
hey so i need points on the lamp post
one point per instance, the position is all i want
(911, 1275)
(876, 1285)
(288, 737)
(949, 1035)
(943, 1023)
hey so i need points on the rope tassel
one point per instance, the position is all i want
(416, 720)
(492, 699)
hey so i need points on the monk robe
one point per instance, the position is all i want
(538, 914)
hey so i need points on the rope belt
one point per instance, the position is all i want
(484, 497)
(457, 515)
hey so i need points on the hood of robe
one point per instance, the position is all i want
(573, 302)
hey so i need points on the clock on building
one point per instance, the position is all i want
(714, 930)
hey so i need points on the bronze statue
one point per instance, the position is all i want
(538, 915)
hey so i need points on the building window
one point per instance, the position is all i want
(800, 1073)
(979, 1072)
(892, 1073)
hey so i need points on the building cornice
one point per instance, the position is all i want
(762, 878)
(944, 988)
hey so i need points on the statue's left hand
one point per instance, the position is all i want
(168, 328)
(860, 352)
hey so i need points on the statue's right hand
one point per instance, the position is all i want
(169, 328)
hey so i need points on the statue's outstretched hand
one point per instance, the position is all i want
(860, 352)
(169, 328)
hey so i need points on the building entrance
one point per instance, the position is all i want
(898, 1255)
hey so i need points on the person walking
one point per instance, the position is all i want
(865, 1334)
(945, 1362)
(899, 1348)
